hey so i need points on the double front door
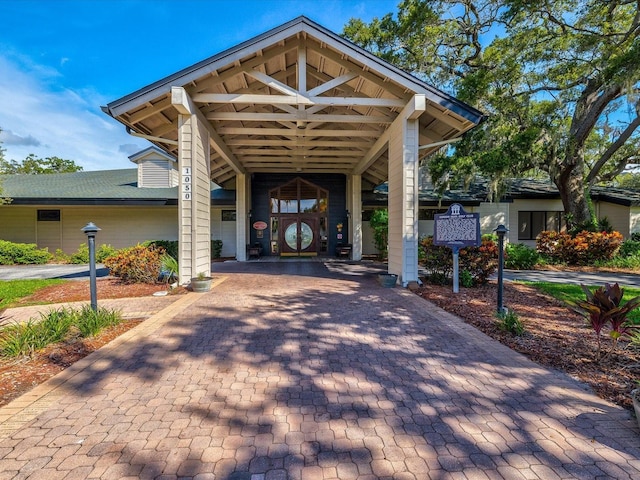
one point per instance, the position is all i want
(299, 235)
(299, 218)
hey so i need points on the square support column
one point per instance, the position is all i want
(243, 202)
(403, 200)
(194, 199)
(354, 204)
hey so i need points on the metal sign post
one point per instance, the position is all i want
(456, 229)
(456, 283)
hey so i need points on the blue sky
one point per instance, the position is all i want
(60, 60)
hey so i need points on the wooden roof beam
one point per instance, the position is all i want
(416, 107)
(275, 117)
(184, 105)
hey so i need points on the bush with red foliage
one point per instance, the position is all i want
(139, 264)
(481, 262)
(584, 248)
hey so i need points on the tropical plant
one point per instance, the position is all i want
(169, 267)
(604, 309)
(584, 248)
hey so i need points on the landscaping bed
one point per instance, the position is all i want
(555, 335)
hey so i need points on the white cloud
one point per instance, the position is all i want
(9, 138)
(55, 121)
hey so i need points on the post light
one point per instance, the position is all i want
(501, 231)
(90, 229)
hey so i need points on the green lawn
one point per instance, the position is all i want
(13, 290)
(570, 293)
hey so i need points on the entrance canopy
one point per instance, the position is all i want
(297, 99)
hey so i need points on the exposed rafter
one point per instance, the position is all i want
(298, 96)
(184, 105)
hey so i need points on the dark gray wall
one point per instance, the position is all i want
(260, 207)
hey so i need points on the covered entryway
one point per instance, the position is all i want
(299, 219)
(298, 100)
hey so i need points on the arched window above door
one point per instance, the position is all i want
(299, 196)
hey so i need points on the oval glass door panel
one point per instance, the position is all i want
(291, 236)
(306, 237)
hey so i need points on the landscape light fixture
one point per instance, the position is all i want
(90, 229)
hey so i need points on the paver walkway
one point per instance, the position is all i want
(301, 370)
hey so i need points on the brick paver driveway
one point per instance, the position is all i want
(301, 370)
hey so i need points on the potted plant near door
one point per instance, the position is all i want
(201, 283)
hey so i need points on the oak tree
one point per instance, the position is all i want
(558, 79)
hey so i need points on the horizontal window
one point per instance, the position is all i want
(48, 215)
(228, 215)
(531, 223)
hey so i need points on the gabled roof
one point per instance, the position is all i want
(298, 98)
(152, 152)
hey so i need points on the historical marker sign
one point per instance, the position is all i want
(457, 228)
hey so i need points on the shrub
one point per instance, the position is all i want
(479, 262)
(466, 280)
(139, 264)
(60, 256)
(437, 260)
(216, 248)
(520, 257)
(629, 248)
(509, 321)
(81, 255)
(631, 262)
(582, 249)
(22, 253)
(635, 236)
(170, 246)
(380, 224)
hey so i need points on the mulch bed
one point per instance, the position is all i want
(555, 336)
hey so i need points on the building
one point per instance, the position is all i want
(139, 204)
(298, 122)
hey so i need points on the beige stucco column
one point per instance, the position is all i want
(403, 192)
(243, 202)
(194, 196)
(354, 204)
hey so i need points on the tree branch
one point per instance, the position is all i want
(613, 148)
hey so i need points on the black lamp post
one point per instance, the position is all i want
(501, 231)
(90, 229)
